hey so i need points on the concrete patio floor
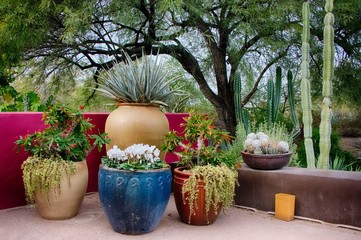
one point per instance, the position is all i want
(91, 224)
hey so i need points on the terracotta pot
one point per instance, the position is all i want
(201, 217)
(64, 202)
(136, 123)
(266, 161)
(134, 201)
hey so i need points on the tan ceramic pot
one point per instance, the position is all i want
(136, 123)
(64, 203)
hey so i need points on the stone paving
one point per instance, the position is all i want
(91, 224)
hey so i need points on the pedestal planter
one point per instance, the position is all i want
(134, 202)
(266, 161)
(64, 202)
(134, 123)
(200, 216)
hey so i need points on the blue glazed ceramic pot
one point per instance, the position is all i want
(134, 202)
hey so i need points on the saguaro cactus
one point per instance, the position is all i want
(328, 61)
(305, 87)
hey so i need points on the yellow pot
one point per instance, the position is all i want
(136, 123)
(64, 202)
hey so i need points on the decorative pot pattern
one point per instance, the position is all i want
(135, 123)
(266, 161)
(64, 203)
(200, 217)
(134, 202)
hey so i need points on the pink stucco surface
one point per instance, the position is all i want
(15, 124)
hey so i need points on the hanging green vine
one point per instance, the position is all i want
(44, 174)
(219, 185)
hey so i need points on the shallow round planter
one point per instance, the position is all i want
(133, 123)
(200, 217)
(134, 202)
(64, 202)
(266, 161)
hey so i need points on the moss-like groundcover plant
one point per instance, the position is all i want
(65, 140)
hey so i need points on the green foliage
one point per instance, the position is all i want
(144, 81)
(219, 185)
(67, 136)
(133, 158)
(336, 153)
(44, 174)
(201, 143)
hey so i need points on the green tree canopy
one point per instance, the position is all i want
(212, 40)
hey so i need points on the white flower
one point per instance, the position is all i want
(283, 146)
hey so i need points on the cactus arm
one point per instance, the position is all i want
(326, 113)
(270, 101)
(291, 100)
(306, 89)
(237, 98)
(277, 96)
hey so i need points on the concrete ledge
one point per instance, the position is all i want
(330, 196)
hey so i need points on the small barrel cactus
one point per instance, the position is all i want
(260, 143)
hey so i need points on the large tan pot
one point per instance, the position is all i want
(136, 123)
(64, 203)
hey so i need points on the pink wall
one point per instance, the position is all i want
(13, 125)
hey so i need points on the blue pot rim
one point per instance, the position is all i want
(102, 166)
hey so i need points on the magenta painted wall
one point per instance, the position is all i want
(13, 125)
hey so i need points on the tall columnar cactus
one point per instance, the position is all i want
(274, 97)
(328, 61)
(242, 115)
(291, 99)
(305, 87)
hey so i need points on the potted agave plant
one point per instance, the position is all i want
(55, 175)
(134, 188)
(139, 88)
(267, 151)
(204, 182)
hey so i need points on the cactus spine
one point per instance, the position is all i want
(305, 87)
(274, 97)
(328, 61)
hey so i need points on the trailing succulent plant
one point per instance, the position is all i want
(205, 157)
(66, 139)
(219, 181)
(141, 81)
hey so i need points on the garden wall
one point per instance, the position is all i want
(13, 125)
(330, 196)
